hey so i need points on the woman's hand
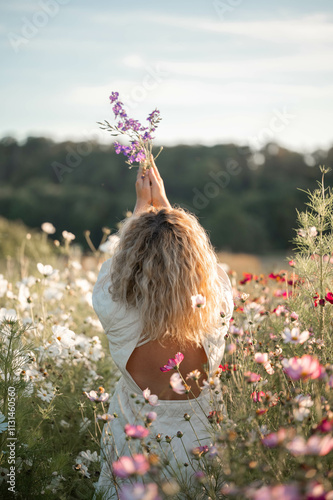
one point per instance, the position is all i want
(143, 191)
(159, 198)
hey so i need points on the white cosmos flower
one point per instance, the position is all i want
(198, 301)
(44, 395)
(75, 265)
(294, 336)
(54, 292)
(9, 314)
(68, 236)
(87, 457)
(83, 469)
(110, 245)
(64, 336)
(23, 295)
(46, 270)
(303, 404)
(83, 284)
(176, 384)
(48, 228)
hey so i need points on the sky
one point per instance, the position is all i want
(219, 71)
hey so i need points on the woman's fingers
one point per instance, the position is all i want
(152, 176)
(155, 168)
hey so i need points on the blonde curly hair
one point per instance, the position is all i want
(164, 257)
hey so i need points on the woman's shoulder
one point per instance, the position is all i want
(118, 321)
(101, 297)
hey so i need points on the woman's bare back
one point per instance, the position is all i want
(145, 362)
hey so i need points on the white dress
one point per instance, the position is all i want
(122, 327)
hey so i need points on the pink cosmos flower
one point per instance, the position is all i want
(138, 491)
(294, 316)
(261, 357)
(268, 367)
(152, 399)
(136, 431)
(128, 466)
(292, 263)
(303, 368)
(285, 491)
(231, 348)
(200, 450)
(177, 385)
(274, 438)
(106, 417)
(198, 301)
(280, 310)
(258, 396)
(173, 363)
(93, 396)
(151, 416)
(315, 445)
(316, 491)
(252, 377)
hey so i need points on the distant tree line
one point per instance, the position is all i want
(246, 200)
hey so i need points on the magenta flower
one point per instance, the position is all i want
(329, 297)
(138, 491)
(173, 363)
(325, 425)
(129, 466)
(136, 431)
(303, 368)
(258, 396)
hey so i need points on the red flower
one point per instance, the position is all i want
(224, 368)
(329, 297)
(247, 277)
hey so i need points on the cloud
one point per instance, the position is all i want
(315, 28)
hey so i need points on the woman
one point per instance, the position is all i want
(146, 297)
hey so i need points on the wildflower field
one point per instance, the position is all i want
(273, 441)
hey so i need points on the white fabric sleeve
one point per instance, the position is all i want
(228, 302)
(101, 298)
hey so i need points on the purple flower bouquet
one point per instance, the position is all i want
(141, 138)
